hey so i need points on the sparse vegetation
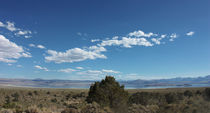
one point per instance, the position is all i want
(106, 96)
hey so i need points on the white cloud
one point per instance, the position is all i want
(80, 68)
(1, 24)
(126, 42)
(27, 36)
(37, 46)
(157, 40)
(40, 46)
(97, 49)
(95, 40)
(109, 71)
(95, 74)
(163, 36)
(24, 33)
(115, 37)
(173, 36)
(90, 72)
(41, 68)
(9, 64)
(11, 26)
(136, 38)
(10, 52)
(140, 33)
(67, 70)
(190, 33)
(31, 45)
(17, 31)
(75, 55)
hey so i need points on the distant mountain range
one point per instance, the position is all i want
(159, 83)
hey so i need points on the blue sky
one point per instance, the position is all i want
(86, 40)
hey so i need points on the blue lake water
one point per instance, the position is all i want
(126, 87)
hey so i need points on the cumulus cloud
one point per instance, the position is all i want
(10, 51)
(127, 42)
(67, 70)
(75, 54)
(41, 68)
(136, 38)
(190, 33)
(140, 33)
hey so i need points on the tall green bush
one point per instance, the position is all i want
(109, 93)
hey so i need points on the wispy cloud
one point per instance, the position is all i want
(90, 72)
(109, 71)
(41, 46)
(67, 70)
(32, 45)
(98, 72)
(17, 31)
(95, 40)
(81, 34)
(173, 36)
(19, 66)
(191, 33)
(41, 68)
(79, 68)
(37, 46)
(158, 40)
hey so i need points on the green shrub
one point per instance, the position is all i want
(15, 96)
(30, 93)
(171, 98)
(139, 98)
(207, 93)
(108, 92)
(54, 100)
(188, 93)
